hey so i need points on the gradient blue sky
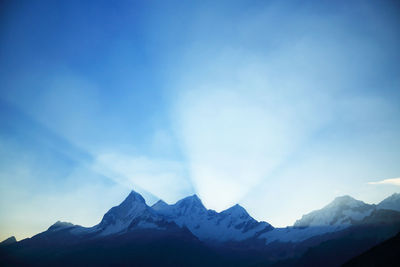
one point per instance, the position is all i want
(277, 105)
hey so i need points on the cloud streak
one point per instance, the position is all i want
(392, 181)
(165, 179)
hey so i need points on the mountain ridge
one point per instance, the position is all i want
(231, 235)
(231, 224)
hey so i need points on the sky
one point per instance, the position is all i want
(280, 106)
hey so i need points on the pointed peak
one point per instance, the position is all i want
(237, 206)
(194, 196)
(133, 197)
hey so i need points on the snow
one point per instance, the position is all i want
(293, 234)
(231, 224)
(119, 218)
(390, 203)
(133, 213)
(116, 227)
(341, 211)
(357, 215)
(236, 211)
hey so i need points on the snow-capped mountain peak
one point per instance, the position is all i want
(342, 211)
(345, 201)
(232, 224)
(391, 203)
(120, 217)
(193, 200)
(134, 197)
(189, 205)
(236, 211)
(133, 205)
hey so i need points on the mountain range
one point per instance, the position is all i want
(231, 237)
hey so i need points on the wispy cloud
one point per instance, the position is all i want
(165, 179)
(392, 181)
(238, 123)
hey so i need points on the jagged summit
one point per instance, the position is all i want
(133, 203)
(120, 217)
(232, 224)
(133, 197)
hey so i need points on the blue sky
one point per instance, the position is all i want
(278, 106)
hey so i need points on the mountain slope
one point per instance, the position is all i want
(335, 248)
(386, 253)
(144, 247)
(342, 210)
(133, 212)
(186, 233)
(232, 224)
(8, 241)
(390, 203)
(341, 213)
